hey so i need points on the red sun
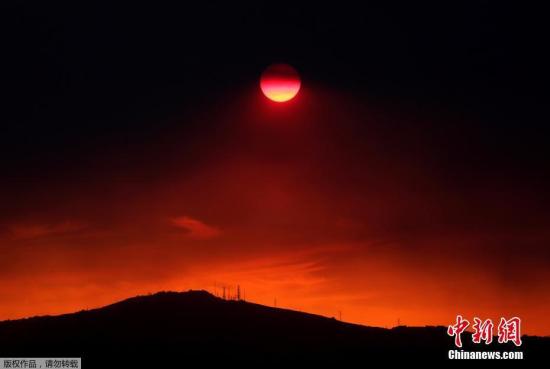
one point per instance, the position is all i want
(280, 82)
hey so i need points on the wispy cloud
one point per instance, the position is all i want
(39, 230)
(195, 228)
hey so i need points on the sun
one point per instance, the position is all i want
(280, 82)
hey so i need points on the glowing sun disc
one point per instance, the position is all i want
(280, 82)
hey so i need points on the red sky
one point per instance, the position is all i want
(325, 203)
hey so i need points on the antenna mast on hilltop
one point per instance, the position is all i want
(227, 295)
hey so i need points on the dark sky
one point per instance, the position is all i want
(105, 64)
(418, 147)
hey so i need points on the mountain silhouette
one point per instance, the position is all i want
(175, 328)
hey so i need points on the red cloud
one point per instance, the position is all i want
(196, 229)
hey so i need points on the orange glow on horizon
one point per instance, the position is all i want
(298, 281)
